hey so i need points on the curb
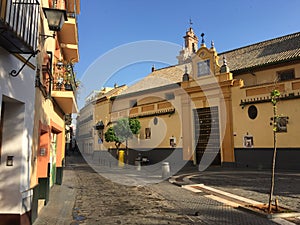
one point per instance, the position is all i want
(230, 199)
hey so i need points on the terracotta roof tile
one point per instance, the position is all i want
(263, 53)
(158, 78)
(267, 52)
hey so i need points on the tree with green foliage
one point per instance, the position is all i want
(110, 136)
(123, 130)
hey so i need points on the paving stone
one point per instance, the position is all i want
(97, 200)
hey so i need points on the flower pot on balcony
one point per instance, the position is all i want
(68, 87)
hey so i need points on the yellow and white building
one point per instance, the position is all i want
(215, 108)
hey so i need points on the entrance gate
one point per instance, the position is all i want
(207, 134)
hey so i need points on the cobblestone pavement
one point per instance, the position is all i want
(88, 198)
(254, 184)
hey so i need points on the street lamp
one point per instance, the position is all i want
(55, 18)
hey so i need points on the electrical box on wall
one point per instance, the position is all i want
(42, 151)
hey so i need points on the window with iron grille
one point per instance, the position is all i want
(286, 75)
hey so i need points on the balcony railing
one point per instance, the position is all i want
(19, 25)
(64, 93)
(61, 85)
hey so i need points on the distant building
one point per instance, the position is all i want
(214, 108)
(94, 118)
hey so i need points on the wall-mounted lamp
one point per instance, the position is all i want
(99, 125)
(55, 18)
(9, 160)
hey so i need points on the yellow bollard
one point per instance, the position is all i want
(121, 158)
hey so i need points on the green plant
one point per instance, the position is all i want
(110, 136)
(122, 131)
(275, 94)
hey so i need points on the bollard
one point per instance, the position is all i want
(165, 170)
(138, 164)
(121, 158)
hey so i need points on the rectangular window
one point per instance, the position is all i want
(133, 103)
(286, 75)
(169, 96)
(147, 133)
(203, 68)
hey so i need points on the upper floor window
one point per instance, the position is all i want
(133, 103)
(169, 96)
(286, 75)
(203, 68)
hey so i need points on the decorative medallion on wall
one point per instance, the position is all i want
(252, 112)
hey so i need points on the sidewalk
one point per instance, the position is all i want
(59, 209)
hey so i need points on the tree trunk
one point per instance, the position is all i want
(127, 151)
(273, 175)
(117, 144)
(274, 159)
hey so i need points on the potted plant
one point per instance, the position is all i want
(68, 85)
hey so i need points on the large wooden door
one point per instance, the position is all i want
(207, 134)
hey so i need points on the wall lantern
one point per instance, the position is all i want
(55, 18)
(99, 125)
(9, 160)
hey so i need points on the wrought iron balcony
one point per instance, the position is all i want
(19, 25)
(62, 85)
(64, 90)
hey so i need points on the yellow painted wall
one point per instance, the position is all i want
(167, 126)
(266, 76)
(260, 127)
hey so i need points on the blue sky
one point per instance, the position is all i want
(105, 25)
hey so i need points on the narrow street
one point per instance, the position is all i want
(85, 197)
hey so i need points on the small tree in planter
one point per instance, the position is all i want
(110, 136)
(275, 94)
(124, 129)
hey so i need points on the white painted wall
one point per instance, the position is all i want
(17, 132)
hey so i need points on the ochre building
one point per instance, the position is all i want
(215, 108)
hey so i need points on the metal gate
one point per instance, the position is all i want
(207, 134)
